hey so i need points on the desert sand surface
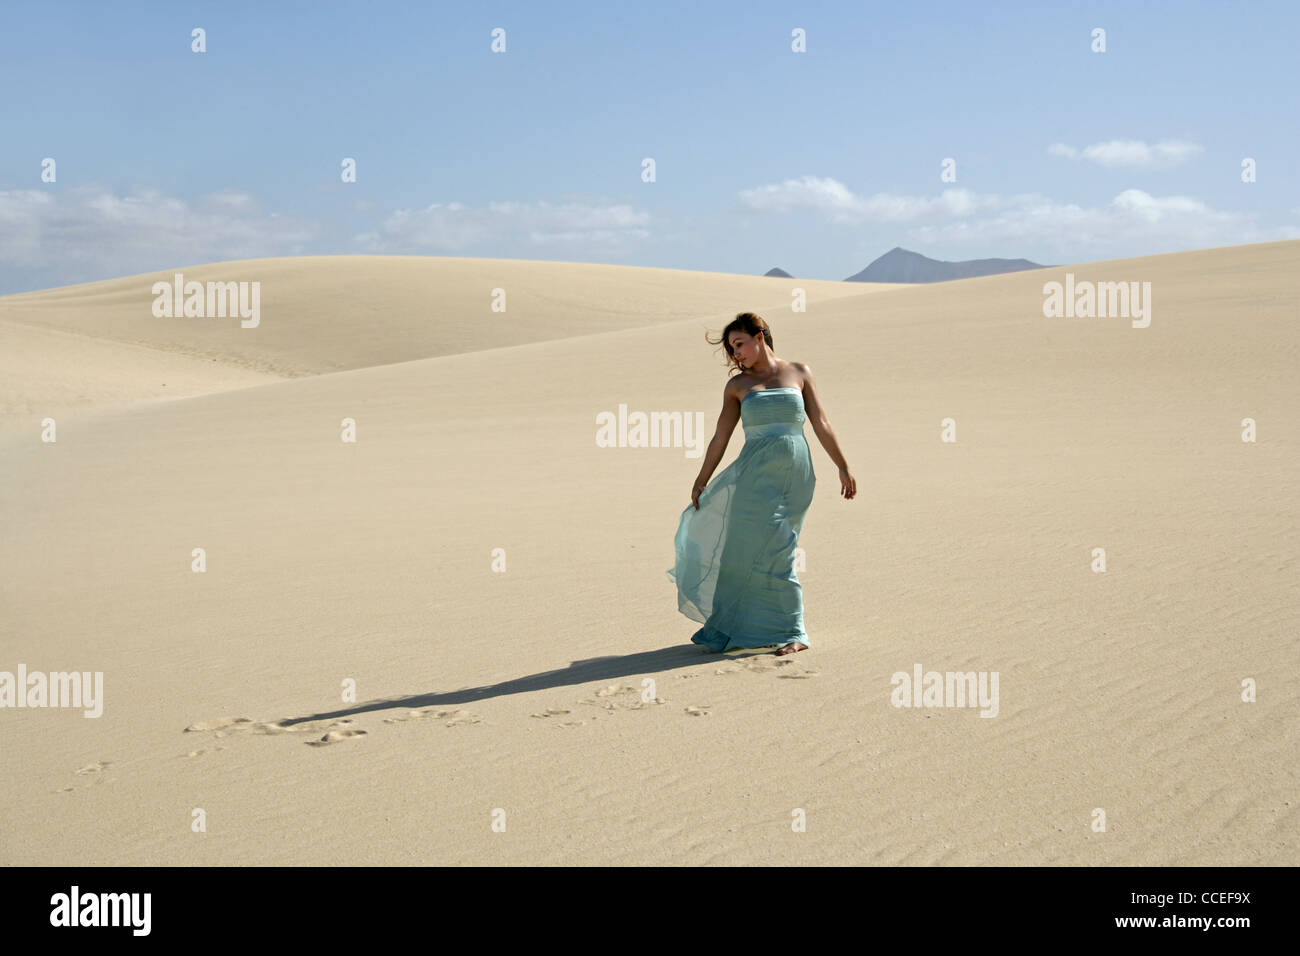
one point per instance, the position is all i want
(518, 693)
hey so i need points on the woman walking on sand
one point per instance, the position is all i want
(735, 542)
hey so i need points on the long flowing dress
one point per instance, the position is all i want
(734, 567)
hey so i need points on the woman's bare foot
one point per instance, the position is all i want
(794, 647)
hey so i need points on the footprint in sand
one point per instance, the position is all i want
(453, 718)
(334, 736)
(765, 665)
(92, 770)
(240, 726)
(620, 697)
(224, 726)
(615, 697)
(560, 712)
(334, 730)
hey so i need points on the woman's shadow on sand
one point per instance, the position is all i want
(578, 672)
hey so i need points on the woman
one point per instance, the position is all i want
(735, 542)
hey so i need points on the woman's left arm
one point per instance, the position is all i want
(821, 426)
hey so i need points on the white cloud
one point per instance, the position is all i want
(1131, 222)
(84, 233)
(457, 227)
(1130, 153)
(91, 230)
(842, 206)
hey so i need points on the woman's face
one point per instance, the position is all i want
(745, 348)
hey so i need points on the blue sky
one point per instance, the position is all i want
(817, 162)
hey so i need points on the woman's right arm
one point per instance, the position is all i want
(727, 419)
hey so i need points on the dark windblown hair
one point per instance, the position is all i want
(747, 322)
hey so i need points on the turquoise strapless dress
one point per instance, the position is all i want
(734, 567)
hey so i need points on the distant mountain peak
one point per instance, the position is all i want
(903, 265)
(778, 273)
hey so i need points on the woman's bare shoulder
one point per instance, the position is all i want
(738, 385)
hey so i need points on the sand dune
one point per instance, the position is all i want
(47, 371)
(334, 313)
(524, 691)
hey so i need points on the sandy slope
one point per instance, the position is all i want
(48, 371)
(99, 344)
(373, 561)
(330, 313)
